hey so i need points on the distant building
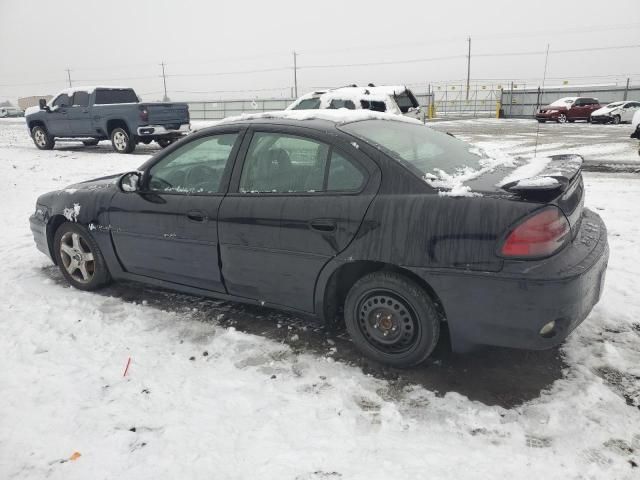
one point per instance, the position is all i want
(27, 102)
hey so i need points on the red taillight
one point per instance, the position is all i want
(538, 236)
(144, 114)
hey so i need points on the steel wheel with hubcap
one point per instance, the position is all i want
(41, 138)
(121, 141)
(79, 257)
(391, 319)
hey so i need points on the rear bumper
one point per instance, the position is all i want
(162, 130)
(509, 308)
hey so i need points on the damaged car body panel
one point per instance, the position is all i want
(328, 208)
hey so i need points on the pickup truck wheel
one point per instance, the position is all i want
(164, 142)
(90, 143)
(42, 139)
(391, 319)
(121, 141)
(616, 119)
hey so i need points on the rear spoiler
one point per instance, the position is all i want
(556, 175)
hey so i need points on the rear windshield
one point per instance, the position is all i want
(416, 146)
(116, 95)
(405, 101)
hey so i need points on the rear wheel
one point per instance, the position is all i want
(616, 119)
(90, 143)
(79, 258)
(391, 319)
(122, 141)
(41, 138)
(164, 142)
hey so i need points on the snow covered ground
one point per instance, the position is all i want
(205, 399)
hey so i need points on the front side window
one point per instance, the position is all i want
(81, 99)
(196, 167)
(62, 101)
(281, 163)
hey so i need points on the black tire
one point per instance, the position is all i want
(571, 121)
(164, 142)
(541, 121)
(616, 120)
(67, 249)
(90, 143)
(122, 141)
(41, 138)
(391, 319)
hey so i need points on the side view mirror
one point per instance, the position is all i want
(130, 182)
(43, 104)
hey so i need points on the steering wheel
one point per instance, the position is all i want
(199, 176)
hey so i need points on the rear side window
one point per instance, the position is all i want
(81, 99)
(340, 103)
(375, 105)
(281, 163)
(343, 176)
(115, 95)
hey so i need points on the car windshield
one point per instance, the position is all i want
(563, 102)
(418, 147)
(308, 104)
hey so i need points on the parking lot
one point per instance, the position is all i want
(292, 392)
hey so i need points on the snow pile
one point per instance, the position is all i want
(203, 400)
(452, 185)
(341, 115)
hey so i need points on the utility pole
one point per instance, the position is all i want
(69, 77)
(164, 81)
(295, 74)
(468, 66)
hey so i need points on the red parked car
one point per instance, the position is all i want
(568, 109)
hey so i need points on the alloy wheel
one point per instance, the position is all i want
(77, 258)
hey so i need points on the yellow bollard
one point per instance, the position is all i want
(498, 106)
(432, 111)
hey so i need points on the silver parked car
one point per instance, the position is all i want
(11, 112)
(616, 112)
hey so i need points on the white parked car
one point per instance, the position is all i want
(384, 98)
(635, 126)
(616, 112)
(11, 112)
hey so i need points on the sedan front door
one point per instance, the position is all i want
(168, 230)
(295, 203)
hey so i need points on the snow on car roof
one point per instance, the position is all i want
(341, 115)
(380, 93)
(563, 101)
(90, 89)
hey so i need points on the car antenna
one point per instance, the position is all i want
(544, 78)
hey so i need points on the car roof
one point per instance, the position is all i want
(317, 119)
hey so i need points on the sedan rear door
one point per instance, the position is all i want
(295, 202)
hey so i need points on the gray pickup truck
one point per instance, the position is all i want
(91, 114)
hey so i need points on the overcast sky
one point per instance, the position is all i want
(209, 46)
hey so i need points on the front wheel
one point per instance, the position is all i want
(391, 319)
(79, 257)
(41, 138)
(616, 119)
(562, 118)
(121, 141)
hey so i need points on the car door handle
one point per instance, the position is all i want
(196, 216)
(323, 225)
